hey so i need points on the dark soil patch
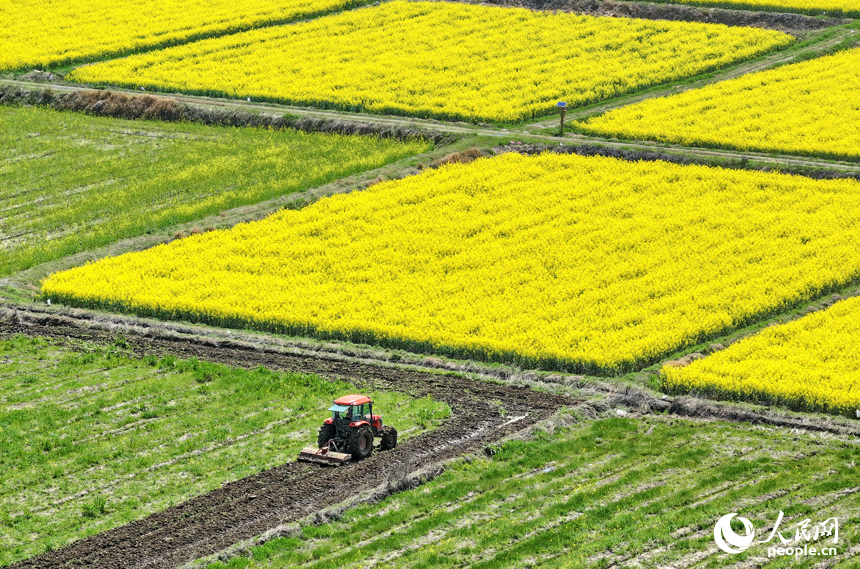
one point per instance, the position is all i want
(775, 21)
(41, 76)
(458, 158)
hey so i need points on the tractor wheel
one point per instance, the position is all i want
(327, 433)
(388, 436)
(360, 443)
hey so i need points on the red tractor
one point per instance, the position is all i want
(349, 432)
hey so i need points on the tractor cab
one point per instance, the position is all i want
(350, 432)
(352, 411)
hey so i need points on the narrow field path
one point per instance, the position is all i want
(520, 132)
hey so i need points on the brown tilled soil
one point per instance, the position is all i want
(481, 412)
(674, 12)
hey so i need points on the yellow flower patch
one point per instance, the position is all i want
(811, 364)
(442, 60)
(46, 33)
(810, 108)
(591, 264)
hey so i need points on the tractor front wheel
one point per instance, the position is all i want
(327, 433)
(388, 436)
(360, 443)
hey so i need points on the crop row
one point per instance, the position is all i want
(606, 493)
(588, 264)
(442, 60)
(91, 438)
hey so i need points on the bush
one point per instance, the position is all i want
(95, 508)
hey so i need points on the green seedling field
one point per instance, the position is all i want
(143, 176)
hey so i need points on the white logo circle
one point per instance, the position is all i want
(726, 537)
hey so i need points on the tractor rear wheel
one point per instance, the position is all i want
(360, 443)
(327, 433)
(388, 436)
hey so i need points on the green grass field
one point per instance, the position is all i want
(91, 439)
(609, 493)
(140, 177)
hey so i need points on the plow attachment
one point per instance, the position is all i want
(326, 455)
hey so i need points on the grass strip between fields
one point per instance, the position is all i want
(831, 8)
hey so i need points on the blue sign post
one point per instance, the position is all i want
(562, 106)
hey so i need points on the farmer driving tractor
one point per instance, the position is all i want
(349, 432)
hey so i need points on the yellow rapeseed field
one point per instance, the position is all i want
(810, 108)
(590, 264)
(811, 364)
(43, 33)
(443, 60)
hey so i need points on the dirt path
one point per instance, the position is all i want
(481, 412)
(788, 22)
(645, 146)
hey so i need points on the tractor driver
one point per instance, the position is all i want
(361, 412)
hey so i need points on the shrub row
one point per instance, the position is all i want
(149, 107)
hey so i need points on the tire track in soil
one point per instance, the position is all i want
(248, 507)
